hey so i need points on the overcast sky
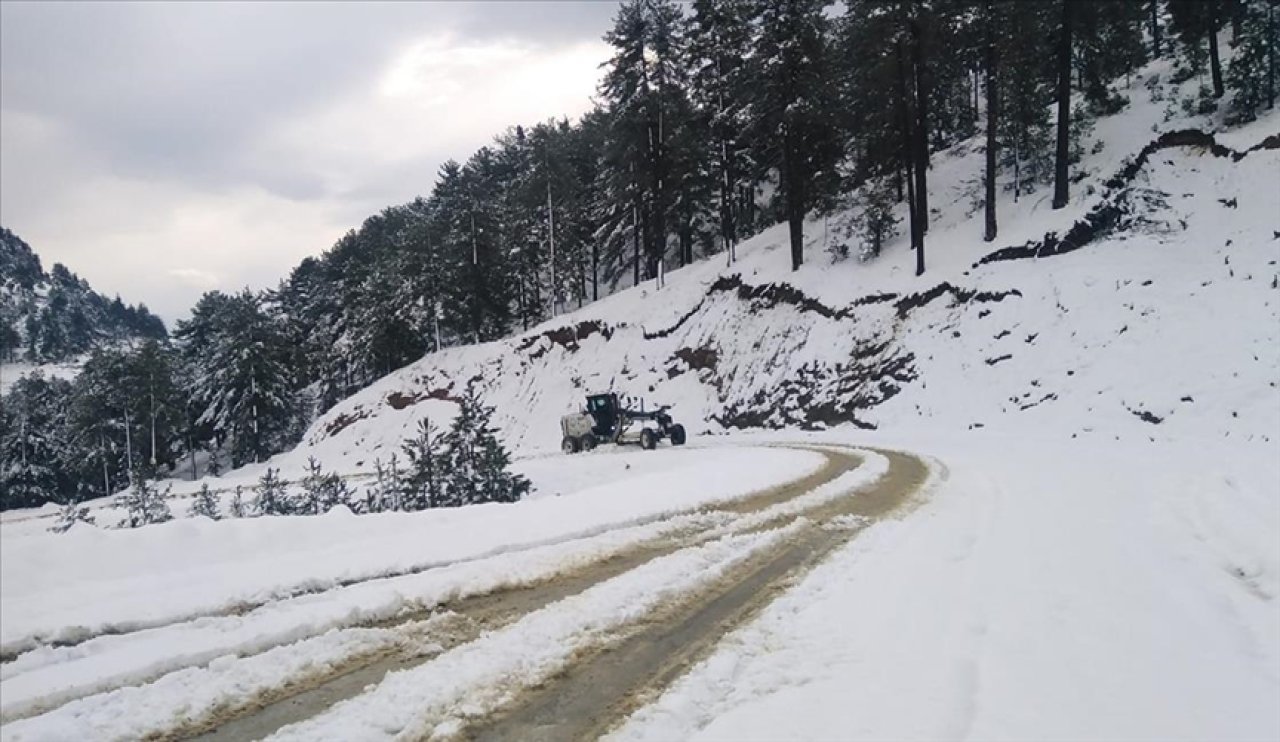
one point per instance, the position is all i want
(163, 149)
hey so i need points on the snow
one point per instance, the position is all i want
(198, 692)
(48, 676)
(478, 677)
(1102, 559)
(103, 580)
(1048, 589)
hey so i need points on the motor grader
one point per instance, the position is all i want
(605, 420)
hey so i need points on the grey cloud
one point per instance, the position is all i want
(176, 89)
(168, 103)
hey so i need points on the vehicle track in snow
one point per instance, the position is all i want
(601, 689)
(464, 620)
(13, 649)
(422, 635)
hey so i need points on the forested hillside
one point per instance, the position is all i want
(54, 316)
(715, 120)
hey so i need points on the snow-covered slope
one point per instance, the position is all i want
(1165, 323)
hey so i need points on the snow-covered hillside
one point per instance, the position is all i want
(1165, 324)
(49, 320)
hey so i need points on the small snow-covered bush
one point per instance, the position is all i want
(143, 503)
(71, 513)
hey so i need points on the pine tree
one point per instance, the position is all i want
(1023, 127)
(478, 464)
(1196, 22)
(874, 223)
(272, 496)
(71, 513)
(1108, 39)
(321, 492)
(237, 508)
(153, 393)
(388, 488)
(643, 88)
(425, 483)
(793, 126)
(143, 503)
(242, 376)
(720, 38)
(205, 504)
(37, 458)
(1251, 73)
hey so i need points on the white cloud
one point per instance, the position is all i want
(196, 278)
(440, 97)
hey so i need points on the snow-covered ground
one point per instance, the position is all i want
(100, 580)
(1101, 558)
(1049, 589)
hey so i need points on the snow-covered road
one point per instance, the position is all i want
(186, 673)
(1039, 587)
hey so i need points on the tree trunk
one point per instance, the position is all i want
(1017, 172)
(551, 241)
(905, 117)
(106, 474)
(128, 445)
(1215, 64)
(921, 125)
(595, 271)
(727, 231)
(1271, 55)
(635, 239)
(795, 203)
(993, 103)
(151, 394)
(1060, 186)
(1155, 28)
(521, 303)
(795, 221)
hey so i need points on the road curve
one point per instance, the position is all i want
(600, 690)
(464, 620)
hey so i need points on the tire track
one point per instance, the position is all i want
(599, 690)
(473, 616)
(13, 649)
(456, 622)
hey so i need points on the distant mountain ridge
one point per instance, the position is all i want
(54, 316)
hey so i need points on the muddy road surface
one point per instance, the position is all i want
(600, 687)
